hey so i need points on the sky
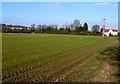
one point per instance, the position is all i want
(27, 13)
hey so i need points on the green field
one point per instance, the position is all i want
(51, 57)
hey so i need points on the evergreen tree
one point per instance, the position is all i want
(85, 26)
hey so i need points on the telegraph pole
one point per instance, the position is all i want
(103, 28)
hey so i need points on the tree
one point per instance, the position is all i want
(77, 29)
(68, 29)
(95, 28)
(63, 31)
(101, 31)
(33, 28)
(39, 26)
(76, 23)
(85, 26)
(3, 24)
(32, 25)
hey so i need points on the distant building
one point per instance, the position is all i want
(28, 28)
(16, 28)
(108, 32)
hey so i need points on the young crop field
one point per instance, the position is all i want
(57, 58)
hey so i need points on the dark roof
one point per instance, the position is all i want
(106, 30)
(114, 30)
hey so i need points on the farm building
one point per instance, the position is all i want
(109, 32)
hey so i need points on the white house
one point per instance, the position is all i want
(109, 32)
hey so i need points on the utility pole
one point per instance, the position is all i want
(103, 28)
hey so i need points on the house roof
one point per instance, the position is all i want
(106, 30)
(114, 30)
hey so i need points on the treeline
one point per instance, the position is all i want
(79, 30)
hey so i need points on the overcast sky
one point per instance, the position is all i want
(27, 13)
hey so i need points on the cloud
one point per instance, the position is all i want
(102, 4)
(99, 4)
(52, 6)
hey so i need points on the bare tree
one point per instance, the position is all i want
(32, 27)
(95, 28)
